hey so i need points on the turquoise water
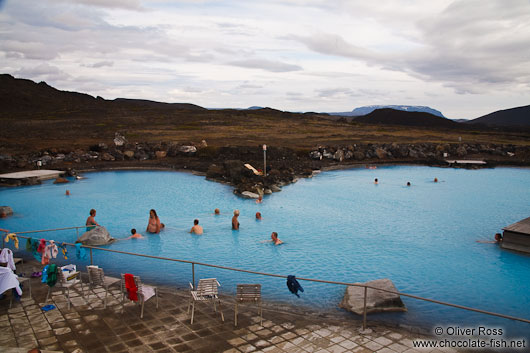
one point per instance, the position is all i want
(336, 226)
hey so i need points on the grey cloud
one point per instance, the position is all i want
(264, 64)
(100, 64)
(116, 4)
(44, 72)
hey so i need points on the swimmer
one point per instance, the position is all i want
(408, 183)
(435, 180)
(260, 199)
(376, 181)
(91, 221)
(197, 229)
(154, 224)
(258, 216)
(67, 193)
(498, 239)
(216, 212)
(275, 240)
(135, 235)
(235, 222)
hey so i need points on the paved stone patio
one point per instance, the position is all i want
(88, 327)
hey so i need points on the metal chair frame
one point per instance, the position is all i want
(141, 297)
(63, 283)
(97, 278)
(207, 290)
(248, 293)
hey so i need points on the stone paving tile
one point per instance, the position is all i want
(88, 327)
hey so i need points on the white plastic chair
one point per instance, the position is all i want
(97, 278)
(65, 283)
(144, 292)
(248, 293)
(206, 291)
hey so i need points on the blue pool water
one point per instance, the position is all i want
(336, 226)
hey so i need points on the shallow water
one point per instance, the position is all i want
(336, 226)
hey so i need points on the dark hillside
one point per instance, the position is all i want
(389, 116)
(519, 116)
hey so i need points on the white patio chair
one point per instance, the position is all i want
(97, 278)
(144, 292)
(65, 283)
(248, 293)
(206, 291)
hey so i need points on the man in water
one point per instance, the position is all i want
(235, 222)
(376, 181)
(216, 212)
(135, 235)
(258, 216)
(197, 229)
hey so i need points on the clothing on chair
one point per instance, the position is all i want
(130, 285)
(52, 275)
(6, 256)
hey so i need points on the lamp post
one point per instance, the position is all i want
(264, 160)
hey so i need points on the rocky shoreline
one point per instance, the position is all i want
(284, 165)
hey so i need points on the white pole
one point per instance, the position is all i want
(264, 160)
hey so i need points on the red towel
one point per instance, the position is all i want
(42, 246)
(131, 287)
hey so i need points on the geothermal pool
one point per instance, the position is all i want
(336, 226)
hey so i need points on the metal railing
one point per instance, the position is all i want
(193, 263)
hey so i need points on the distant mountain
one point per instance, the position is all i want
(21, 96)
(388, 116)
(254, 107)
(519, 116)
(408, 108)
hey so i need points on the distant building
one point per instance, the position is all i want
(517, 236)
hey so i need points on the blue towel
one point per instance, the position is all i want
(45, 274)
(293, 285)
(80, 252)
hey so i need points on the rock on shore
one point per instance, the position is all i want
(376, 301)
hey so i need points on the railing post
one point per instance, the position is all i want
(92, 262)
(77, 233)
(364, 311)
(193, 274)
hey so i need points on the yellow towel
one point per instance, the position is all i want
(12, 236)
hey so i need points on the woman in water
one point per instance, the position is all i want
(235, 222)
(154, 224)
(91, 220)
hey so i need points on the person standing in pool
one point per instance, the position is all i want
(197, 229)
(235, 222)
(91, 220)
(154, 224)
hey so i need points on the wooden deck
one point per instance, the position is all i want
(517, 236)
(41, 174)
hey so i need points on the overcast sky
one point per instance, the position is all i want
(465, 58)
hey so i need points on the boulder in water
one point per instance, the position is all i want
(95, 237)
(5, 211)
(376, 300)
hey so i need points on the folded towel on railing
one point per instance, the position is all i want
(12, 236)
(80, 252)
(34, 247)
(42, 246)
(130, 285)
(293, 285)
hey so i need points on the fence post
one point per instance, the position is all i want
(364, 311)
(77, 233)
(193, 274)
(92, 262)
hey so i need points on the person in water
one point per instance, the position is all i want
(275, 240)
(260, 199)
(235, 222)
(376, 181)
(408, 183)
(91, 220)
(435, 180)
(67, 193)
(258, 216)
(197, 229)
(135, 235)
(498, 240)
(216, 212)
(154, 224)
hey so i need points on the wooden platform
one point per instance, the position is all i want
(517, 236)
(41, 174)
(464, 161)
